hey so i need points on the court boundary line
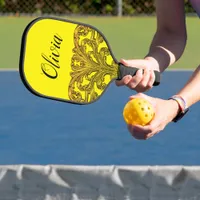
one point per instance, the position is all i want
(8, 69)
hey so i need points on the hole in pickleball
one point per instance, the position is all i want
(146, 115)
(142, 109)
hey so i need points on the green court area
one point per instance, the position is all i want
(129, 38)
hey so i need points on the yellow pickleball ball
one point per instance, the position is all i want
(138, 111)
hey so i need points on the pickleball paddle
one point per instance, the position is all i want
(68, 61)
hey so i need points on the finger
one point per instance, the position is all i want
(145, 79)
(137, 132)
(139, 88)
(151, 79)
(156, 130)
(145, 132)
(136, 135)
(134, 63)
(139, 136)
(136, 79)
(130, 127)
(129, 63)
(152, 134)
(138, 95)
(124, 81)
(147, 82)
(156, 125)
(142, 129)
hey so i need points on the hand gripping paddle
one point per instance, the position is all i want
(68, 61)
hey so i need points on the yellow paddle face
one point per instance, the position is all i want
(66, 61)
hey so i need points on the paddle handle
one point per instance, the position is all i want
(124, 70)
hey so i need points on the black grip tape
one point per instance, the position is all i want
(124, 70)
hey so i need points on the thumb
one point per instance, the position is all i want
(141, 95)
(134, 63)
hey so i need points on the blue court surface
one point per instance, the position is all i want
(41, 131)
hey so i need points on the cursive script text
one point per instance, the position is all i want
(50, 63)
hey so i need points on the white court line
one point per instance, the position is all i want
(8, 69)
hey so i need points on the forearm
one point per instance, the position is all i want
(169, 40)
(166, 48)
(191, 91)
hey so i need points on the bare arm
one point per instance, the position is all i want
(170, 38)
(166, 48)
(191, 91)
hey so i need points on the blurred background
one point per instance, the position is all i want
(82, 7)
(127, 24)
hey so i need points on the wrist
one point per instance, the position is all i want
(175, 108)
(181, 107)
(154, 63)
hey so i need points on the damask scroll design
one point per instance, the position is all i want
(90, 65)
